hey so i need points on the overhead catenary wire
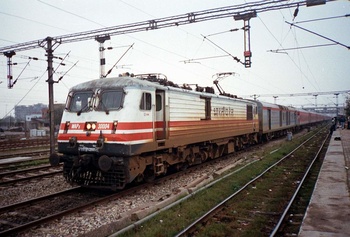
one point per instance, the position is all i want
(193, 17)
(110, 70)
(322, 36)
(71, 13)
(299, 52)
(296, 65)
(222, 49)
(128, 4)
(61, 77)
(36, 22)
(216, 45)
(14, 82)
(300, 47)
(280, 43)
(203, 58)
(322, 19)
(60, 64)
(84, 18)
(223, 32)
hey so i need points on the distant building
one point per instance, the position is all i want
(22, 111)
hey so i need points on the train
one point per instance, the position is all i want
(134, 128)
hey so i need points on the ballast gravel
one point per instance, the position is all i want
(81, 223)
(85, 223)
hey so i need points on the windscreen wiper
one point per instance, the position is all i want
(83, 109)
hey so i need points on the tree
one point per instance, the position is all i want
(7, 122)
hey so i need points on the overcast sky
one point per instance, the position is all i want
(307, 70)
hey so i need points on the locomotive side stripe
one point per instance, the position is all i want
(113, 142)
(109, 137)
(279, 109)
(77, 126)
(97, 132)
(175, 128)
(210, 122)
(109, 125)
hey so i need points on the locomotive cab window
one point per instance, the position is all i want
(110, 100)
(79, 101)
(146, 101)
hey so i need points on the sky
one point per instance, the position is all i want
(193, 53)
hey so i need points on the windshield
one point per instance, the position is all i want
(110, 100)
(80, 101)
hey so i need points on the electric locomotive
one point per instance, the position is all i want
(115, 131)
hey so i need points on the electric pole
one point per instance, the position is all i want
(50, 82)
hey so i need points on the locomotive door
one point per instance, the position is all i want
(160, 123)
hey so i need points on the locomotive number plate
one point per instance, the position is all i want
(103, 126)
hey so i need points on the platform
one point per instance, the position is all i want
(328, 213)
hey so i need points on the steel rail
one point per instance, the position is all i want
(40, 220)
(29, 177)
(15, 172)
(63, 213)
(19, 162)
(279, 223)
(26, 203)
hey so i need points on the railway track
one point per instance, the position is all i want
(41, 152)
(19, 159)
(22, 162)
(20, 216)
(15, 176)
(16, 217)
(246, 213)
(12, 145)
(293, 215)
(259, 204)
(14, 227)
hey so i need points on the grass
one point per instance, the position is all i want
(28, 164)
(173, 220)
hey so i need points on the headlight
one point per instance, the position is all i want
(93, 126)
(90, 126)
